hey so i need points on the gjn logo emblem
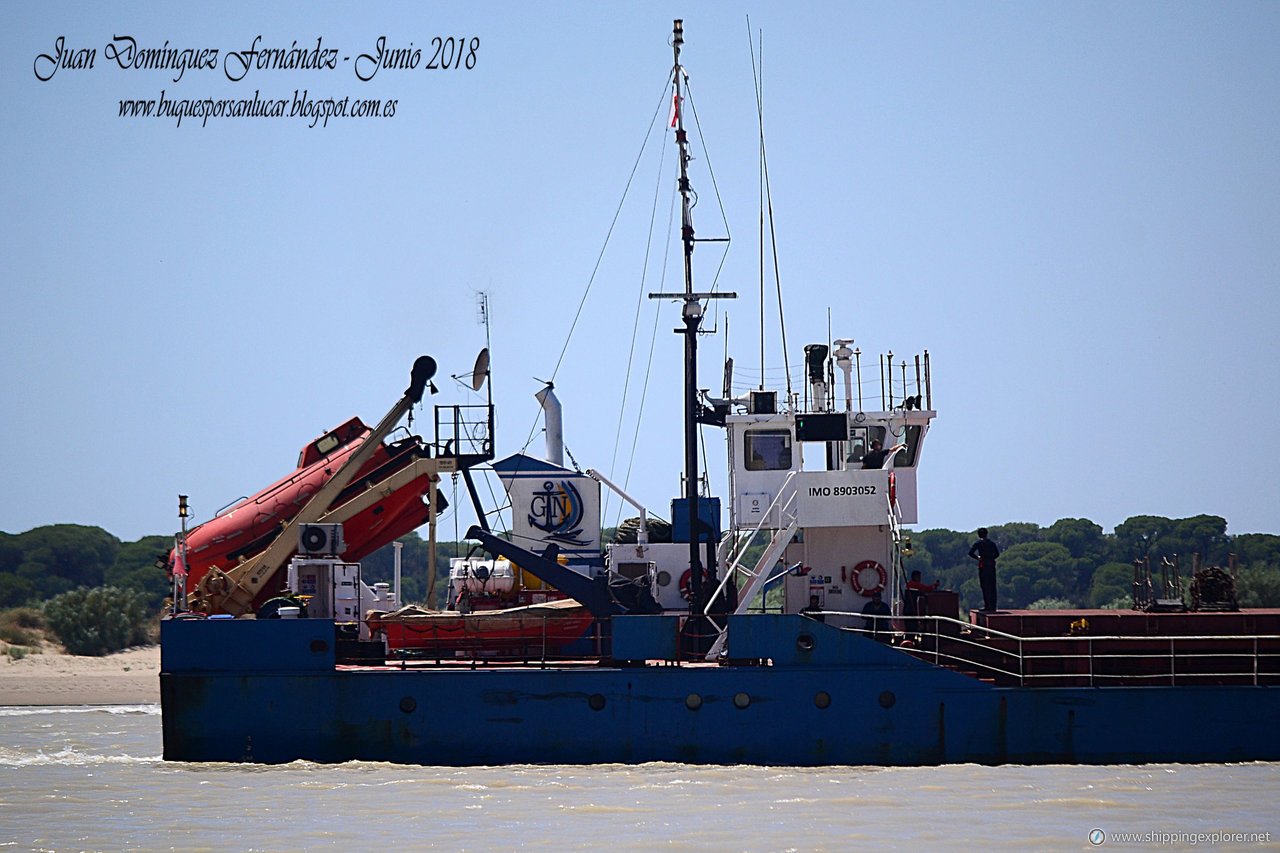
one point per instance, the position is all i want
(1096, 837)
(557, 511)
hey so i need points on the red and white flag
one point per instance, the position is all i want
(179, 567)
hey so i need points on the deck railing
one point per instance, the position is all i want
(1083, 659)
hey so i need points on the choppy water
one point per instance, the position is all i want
(92, 779)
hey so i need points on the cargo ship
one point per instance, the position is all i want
(789, 635)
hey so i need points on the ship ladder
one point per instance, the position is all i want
(757, 579)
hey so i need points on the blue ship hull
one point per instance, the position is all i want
(269, 691)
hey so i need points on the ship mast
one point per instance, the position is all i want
(692, 314)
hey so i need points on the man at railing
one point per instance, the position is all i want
(875, 618)
(814, 610)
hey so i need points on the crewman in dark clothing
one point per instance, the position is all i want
(985, 552)
(873, 626)
(875, 459)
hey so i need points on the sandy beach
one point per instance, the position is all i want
(51, 678)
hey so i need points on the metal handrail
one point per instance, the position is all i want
(759, 525)
(1026, 646)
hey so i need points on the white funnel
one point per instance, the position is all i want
(555, 428)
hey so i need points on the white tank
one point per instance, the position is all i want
(482, 577)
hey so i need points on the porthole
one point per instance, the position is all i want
(693, 701)
(741, 700)
(822, 699)
(887, 699)
(596, 702)
(408, 704)
(805, 642)
(664, 578)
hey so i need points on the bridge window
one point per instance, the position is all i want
(860, 439)
(768, 450)
(907, 457)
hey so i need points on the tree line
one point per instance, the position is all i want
(1070, 563)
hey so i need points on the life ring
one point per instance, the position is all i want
(861, 582)
(686, 584)
(893, 495)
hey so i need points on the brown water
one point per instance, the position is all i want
(92, 779)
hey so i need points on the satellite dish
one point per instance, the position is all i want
(481, 371)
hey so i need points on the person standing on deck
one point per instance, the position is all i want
(985, 552)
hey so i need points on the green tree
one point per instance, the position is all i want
(10, 553)
(1111, 581)
(15, 590)
(1258, 587)
(98, 621)
(1205, 535)
(59, 557)
(1139, 537)
(1032, 570)
(1015, 533)
(1080, 536)
(1257, 550)
(135, 568)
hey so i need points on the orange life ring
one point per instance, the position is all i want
(686, 585)
(860, 581)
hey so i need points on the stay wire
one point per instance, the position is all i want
(635, 325)
(653, 340)
(706, 153)
(600, 257)
(533, 429)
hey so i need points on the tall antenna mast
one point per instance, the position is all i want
(692, 314)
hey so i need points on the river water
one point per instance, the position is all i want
(88, 778)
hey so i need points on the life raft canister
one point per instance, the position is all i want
(868, 577)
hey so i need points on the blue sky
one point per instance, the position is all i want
(1075, 207)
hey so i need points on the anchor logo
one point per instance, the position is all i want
(557, 510)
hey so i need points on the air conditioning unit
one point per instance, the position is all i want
(320, 540)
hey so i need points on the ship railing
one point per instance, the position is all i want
(897, 575)
(1083, 660)
(944, 642)
(783, 508)
(783, 504)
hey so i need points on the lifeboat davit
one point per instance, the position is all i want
(249, 526)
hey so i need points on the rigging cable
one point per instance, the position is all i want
(653, 339)
(715, 282)
(755, 77)
(533, 429)
(635, 326)
(609, 234)
(773, 237)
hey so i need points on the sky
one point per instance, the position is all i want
(1074, 207)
